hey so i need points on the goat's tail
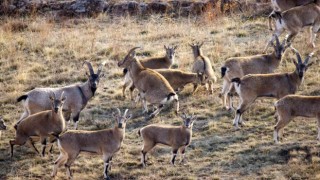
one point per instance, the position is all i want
(139, 132)
(23, 97)
(223, 71)
(236, 80)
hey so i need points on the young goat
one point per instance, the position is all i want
(101, 142)
(294, 19)
(178, 137)
(202, 64)
(152, 63)
(178, 79)
(42, 124)
(283, 5)
(37, 100)
(258, 64)
(292, 106)
(252, 86)
(152, 86)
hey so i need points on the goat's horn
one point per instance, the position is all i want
(298, 55)
(277, 40)
(89, 67)
(119, 112)
(54, 95)
(308, 58)
(125, 113)
(62, 95)
(131, 50)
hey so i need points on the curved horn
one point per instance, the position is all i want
(277, 40)
(119, 112)
(61, 96)
(89, 67)
(125, 113)
(131, 50)
(308, 58)
(298, 55)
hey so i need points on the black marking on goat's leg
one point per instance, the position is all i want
(106, 167)
(44, 144)
(11, 148)
(174, 154)
(76, 119)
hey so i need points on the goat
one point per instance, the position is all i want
(152, 63)
(37, 99)
(42, 124)
(241, 66)
(152, 86)
(294, 19)
(283, 5)
(202, 64)
(104, 142)
(295, 105)
(177, 78)
(277, 85)
(2, 125)
(177, 137)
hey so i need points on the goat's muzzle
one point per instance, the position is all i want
(56, 110)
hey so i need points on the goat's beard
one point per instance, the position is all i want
(93, 90)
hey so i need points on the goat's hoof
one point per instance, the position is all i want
(242, 124)
(107, 178)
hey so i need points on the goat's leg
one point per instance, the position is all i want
(43, 141)
(70, 160)
(230, 97)
(106, 160)
(283, 120)
(61, 160)
(31, 143)
(146, 148)
(174, 155)
(224, 93)
(313, 33)
(132, 87)
(210, 86)
(318, 118)
(195, 87)
(182, 151)
(75, 118)
(156, 112)
(244, 104)
(291, 36)
(19, 140)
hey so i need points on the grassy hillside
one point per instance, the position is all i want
(40, 52)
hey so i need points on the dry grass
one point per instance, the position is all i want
(51, 54)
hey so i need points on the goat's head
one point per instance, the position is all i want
(188, 120)
(196, 48)
(57, 104)
(280, 48)
(2, 124)
(301, 67)
(170, 51)
(121, 119)
(92, 77)
(131, 56)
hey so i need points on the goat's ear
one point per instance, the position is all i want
(295, 63)
(128, 117)
(87, 74)
(102, 75)
(309, 64)
(51, 98)
(175, 47)
(64, 98)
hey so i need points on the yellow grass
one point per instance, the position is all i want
(48, 53)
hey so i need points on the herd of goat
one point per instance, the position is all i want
(46, 110)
